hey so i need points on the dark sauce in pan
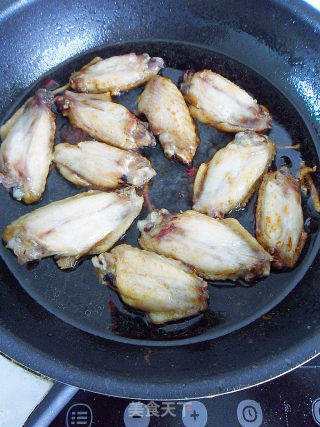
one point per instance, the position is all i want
(79, 299)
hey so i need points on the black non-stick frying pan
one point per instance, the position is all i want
(68, 326)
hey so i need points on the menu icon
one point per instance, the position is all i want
(79, 414)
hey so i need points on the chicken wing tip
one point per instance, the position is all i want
(155, 63)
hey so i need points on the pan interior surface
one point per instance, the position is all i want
(76, 296)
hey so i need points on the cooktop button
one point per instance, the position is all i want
(194, 414)
(316, 410)
(79, 414)
(249, 413)
(136, 414)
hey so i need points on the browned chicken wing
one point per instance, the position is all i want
(88, 223)
(216, 249)
(115, 74)
(230, 178)
(105, 120)
(26, 150)
(164, 288)
(218, 102)
(99, 165)
(279, 218)
(169, 118)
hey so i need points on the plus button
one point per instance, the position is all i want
(194, 415)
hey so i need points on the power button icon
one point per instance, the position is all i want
(249, 413)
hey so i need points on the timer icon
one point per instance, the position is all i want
(249, 413)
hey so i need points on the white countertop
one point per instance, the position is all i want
(20, 392)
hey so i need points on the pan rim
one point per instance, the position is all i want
(182, 390)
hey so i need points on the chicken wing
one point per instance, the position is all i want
(88, 223)
(216, 249)
(115, 74)
(229, 179)
(105, 120)
(279, 218)
(169, 118)
(307, 185)
(166, 289)
(220, 103)
(26, 150)
(98, 165)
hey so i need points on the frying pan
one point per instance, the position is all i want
(61, 324)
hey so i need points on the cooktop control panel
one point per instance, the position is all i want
(290, 400)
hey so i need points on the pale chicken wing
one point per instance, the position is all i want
(26, 150)
(279, 218)
(169, 118)
(165, 289)
(218, 102)
(115, 74)
(216, 249)
(105, 120)
(99, 165)
(229, 179)
(88, 223)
